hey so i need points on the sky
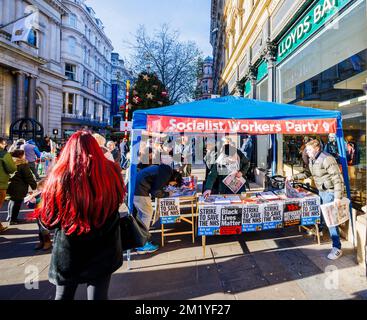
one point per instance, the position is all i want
(121, 18)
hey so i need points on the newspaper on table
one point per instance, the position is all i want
(335, 215)
(291, 192)
(209, 220)
(169, 210)
(234, 183)
(310, 210)
(252, 219)
(273, 215)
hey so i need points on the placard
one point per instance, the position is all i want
(310, 211)
(252, 219)
(209, 220)
(273, 215)
(231, 220)
(292, 212)
(169, 210)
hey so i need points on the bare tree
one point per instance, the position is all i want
(173, 61)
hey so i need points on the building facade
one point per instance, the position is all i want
(120, 76)
(205, 81)
(86, 62)
(31, 73)
(304, 52)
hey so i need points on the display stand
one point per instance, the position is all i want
(307, 228)
(188, 218)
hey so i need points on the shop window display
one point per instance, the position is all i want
(335, 80)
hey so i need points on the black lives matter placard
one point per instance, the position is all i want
(231, 220)
(209, 220)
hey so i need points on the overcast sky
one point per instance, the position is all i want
(122, 17)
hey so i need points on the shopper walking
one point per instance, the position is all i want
(7, 167)
(80, 201)
(32, 153)
(19, 185)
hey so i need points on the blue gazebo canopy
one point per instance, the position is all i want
(231, 107)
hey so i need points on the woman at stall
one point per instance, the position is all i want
(230, 160)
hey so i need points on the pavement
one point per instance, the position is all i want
(281, 264)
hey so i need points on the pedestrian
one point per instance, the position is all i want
(46, 144)
(331, 147)
(7, 167)
(150, 182)
(183, 153)
(33, 201)
(111, 146)
(329, 181)
(32, 153)
(124, 147)
(80, 201)
(303, 152)
(209, 160)
(230, 160)
(247, 146)
(102, 144)
(19, 185)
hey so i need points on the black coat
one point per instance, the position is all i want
(84, 258)
(20, 182)
(152, 180)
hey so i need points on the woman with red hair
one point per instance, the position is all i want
(80, 201)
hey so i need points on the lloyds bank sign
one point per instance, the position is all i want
(314, 18)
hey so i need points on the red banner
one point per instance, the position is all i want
(200, 125)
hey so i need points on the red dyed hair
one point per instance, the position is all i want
(83, 189)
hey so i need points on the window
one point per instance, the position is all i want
(84, 77)
(70, 71)
(32, 38)
(85, 107)
(70, 103)
(72, 45)
(85, 53)
(86, 30)
(95, 111)
(72, 20)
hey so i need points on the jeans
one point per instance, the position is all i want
(32, 166)
(13, 210)
(96, 290)
(327, 197)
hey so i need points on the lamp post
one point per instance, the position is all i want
(55, 133)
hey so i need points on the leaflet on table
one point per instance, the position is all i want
(268, 195)
(220, 199)
(292, 212)
(310, 210)
(273, 215)
(252, 219)
(169, 210)
(234, 183)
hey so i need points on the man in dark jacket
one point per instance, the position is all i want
(31, 154)
(150, 182)
(329, 181)
(19, 185)
(7, 167)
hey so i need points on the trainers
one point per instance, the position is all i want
(335, 253)
(147, 248)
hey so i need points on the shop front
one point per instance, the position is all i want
(322, 63)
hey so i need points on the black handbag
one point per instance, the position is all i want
(134, 233)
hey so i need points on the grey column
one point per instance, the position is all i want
(270, 53)
(20, 94)
(32, 97)
(251, 76)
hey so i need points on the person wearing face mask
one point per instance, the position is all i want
(229, 160)
(332, 148)
(329, 181)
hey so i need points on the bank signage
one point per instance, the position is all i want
(319, 13)
(170, 124)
